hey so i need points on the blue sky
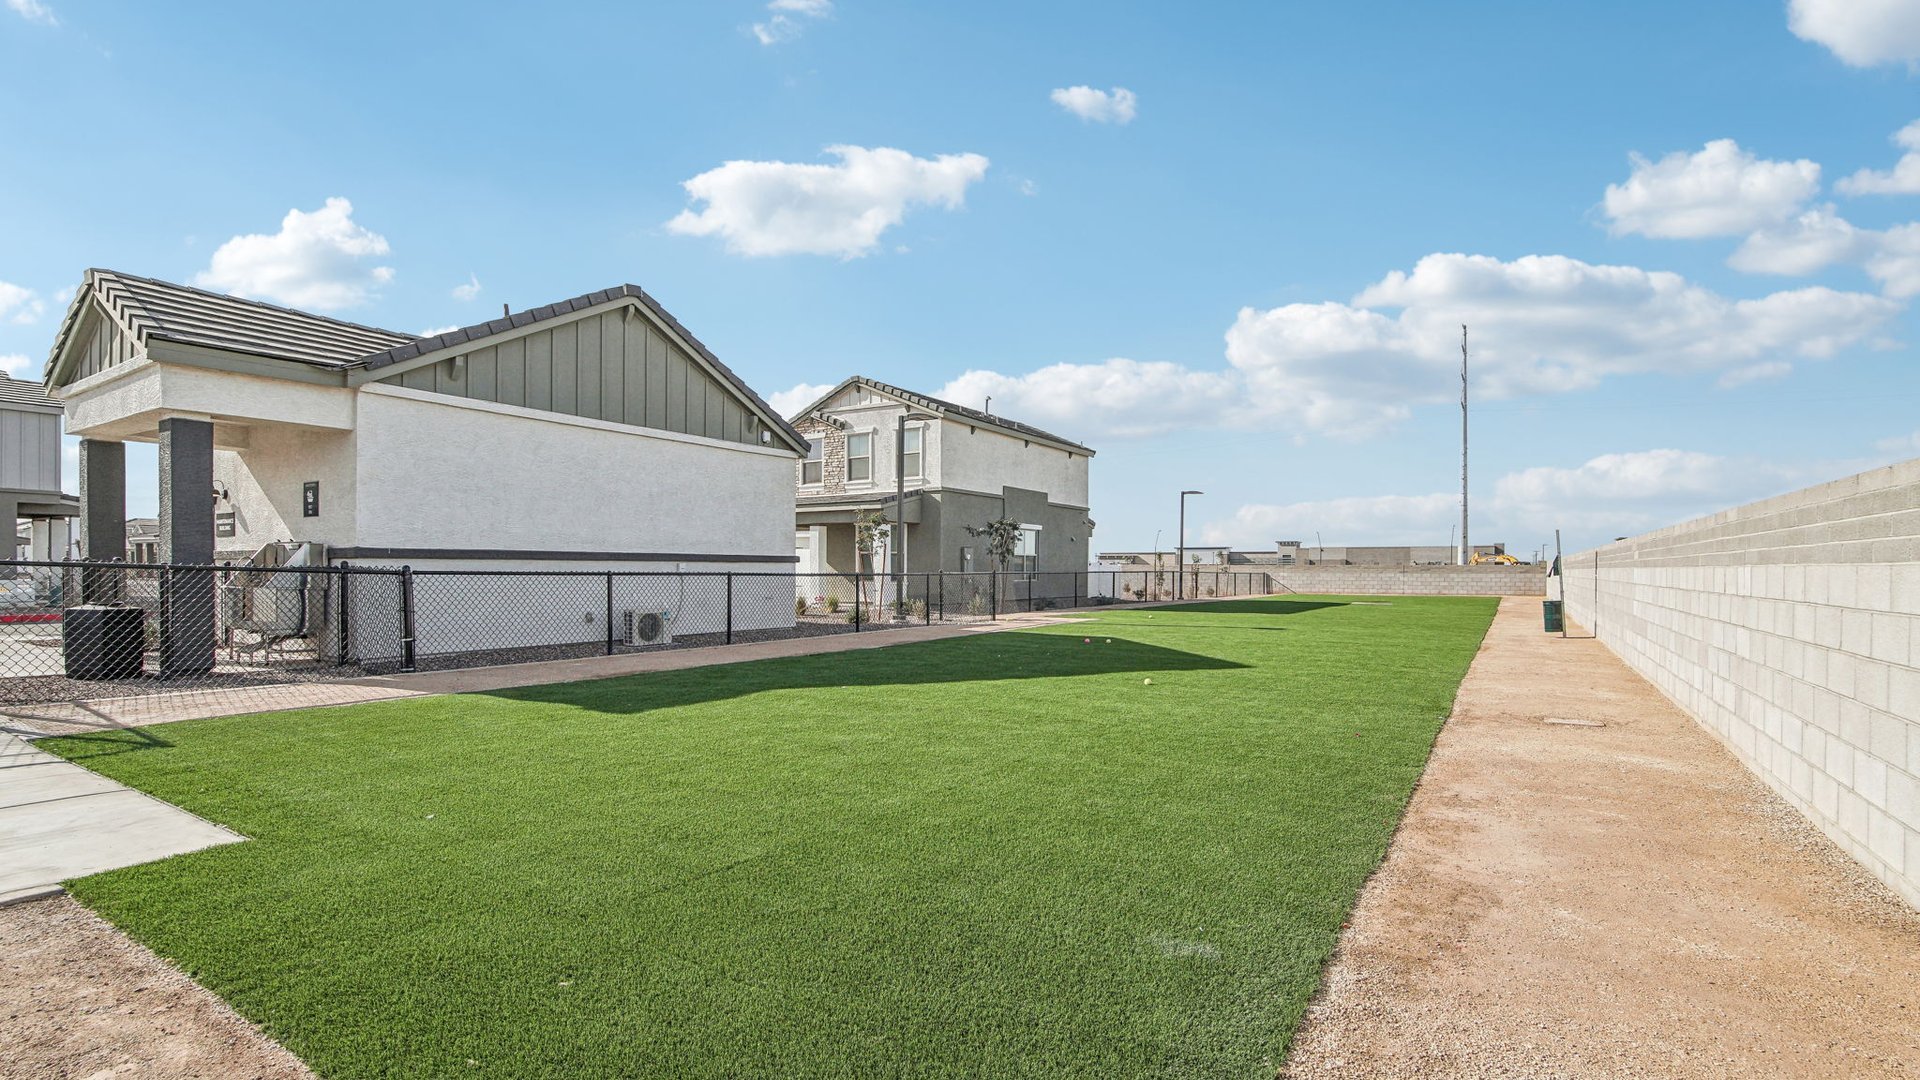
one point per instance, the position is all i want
(1235, 258)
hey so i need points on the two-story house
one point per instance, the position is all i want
(962, 467)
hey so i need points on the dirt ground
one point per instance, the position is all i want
(80, 1000)
(1612, 901)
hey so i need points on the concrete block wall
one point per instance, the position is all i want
(1790, 628)
(1411, 580)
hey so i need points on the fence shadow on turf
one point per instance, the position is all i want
(1248, 607)
(984, 658)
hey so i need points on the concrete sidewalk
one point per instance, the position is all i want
(1587, 884)
(60, 821)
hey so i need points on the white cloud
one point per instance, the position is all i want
(33, 11)
(19, 304)
(1860, 32)
(1895, 261)
(1116, 106)
(790, 401)
(317, 260)
(1901, 446)
(436, 331)
(1119, 397)
(786, 23)
(1721, 190)
(1613, 494)
(1761, 372)
(1902, 179)
(468, 290)
(16, 366)
(1818, 238)
(1541, 324)
(788, 208)
(1371, 519)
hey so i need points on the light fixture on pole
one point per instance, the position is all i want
(1180, 563)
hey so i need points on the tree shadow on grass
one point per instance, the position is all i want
(81, 746)
(979, 658)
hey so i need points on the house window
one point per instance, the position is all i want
(810, 468)
(1026, 550)
(860, 456)
(910, 453)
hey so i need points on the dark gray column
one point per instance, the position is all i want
(103, 518)
(186, 537)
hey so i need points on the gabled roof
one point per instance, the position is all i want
(478, 331)
(153, 310)
(19, 392)
(949, 410)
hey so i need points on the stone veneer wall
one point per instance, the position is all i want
(1790, 628)
(1407, 580)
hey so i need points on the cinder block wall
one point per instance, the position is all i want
(1412, 580)
(1791, 629)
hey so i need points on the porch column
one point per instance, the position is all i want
(103, 518)
(186, 537)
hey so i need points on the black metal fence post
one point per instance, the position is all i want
(926, 601)
(346, 614)
(609, 613)
(406, 619)
(729, 607)
(859, 587)
(943, 596)
(993, 603)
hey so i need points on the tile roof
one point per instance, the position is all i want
(162, 310)
(17, 392)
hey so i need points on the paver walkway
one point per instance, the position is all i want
(58, 821)
(1566, 900)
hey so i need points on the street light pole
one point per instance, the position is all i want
(1180, 563)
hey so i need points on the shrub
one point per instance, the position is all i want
(799, 607)
(833, 604)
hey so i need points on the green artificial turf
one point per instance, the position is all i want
(998, 855)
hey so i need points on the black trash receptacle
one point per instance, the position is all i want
(101, 641)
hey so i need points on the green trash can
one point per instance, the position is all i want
(1555, 620)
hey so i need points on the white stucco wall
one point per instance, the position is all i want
(265, 482)
(472, 475)
(984, 460)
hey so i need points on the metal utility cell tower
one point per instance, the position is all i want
(1466, 546)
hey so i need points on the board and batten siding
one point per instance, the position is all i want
(105, 347)
(615, 366)
(29, 450)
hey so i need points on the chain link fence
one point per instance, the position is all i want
(75, 631)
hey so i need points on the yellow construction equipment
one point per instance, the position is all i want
(1481, 558)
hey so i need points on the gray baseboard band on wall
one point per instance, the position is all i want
(551, 556)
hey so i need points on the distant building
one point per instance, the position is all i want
(1294, 553)
(30, 471)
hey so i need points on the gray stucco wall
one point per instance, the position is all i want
(946, 515)
(1791, 629)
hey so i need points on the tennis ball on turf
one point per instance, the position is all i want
(1146, 682)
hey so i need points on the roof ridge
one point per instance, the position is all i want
(282, 308)
(978, 415)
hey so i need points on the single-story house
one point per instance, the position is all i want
(596, 433)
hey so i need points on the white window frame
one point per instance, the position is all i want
(918, 471)
(866, 457)
(1026, 550)
(814, 463)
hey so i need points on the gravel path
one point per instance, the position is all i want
(78, 999)
(1615, 901)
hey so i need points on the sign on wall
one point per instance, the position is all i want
(223, 524)
(310, 499)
